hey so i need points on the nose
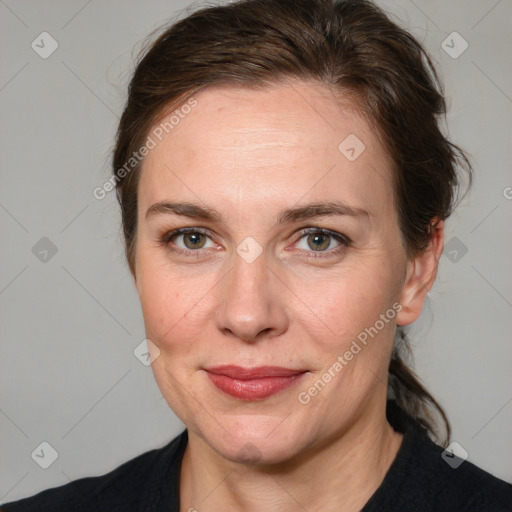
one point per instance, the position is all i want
(252, 301)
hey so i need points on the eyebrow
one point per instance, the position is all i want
(300, 213)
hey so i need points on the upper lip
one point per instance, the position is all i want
(238, 372)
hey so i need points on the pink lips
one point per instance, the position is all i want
(253, 383)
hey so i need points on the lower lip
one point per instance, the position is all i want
(253, 389)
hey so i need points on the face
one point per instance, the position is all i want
(261, 277)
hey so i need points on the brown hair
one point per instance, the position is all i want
(351, 46)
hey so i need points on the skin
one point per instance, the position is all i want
(250, 155)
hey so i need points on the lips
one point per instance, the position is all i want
(253, 383)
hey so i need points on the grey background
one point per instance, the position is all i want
(69, 325)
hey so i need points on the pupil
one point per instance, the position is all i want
(320, 237)
(195, 237)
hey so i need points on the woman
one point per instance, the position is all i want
(283, 184)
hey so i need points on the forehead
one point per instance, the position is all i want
(290, 140)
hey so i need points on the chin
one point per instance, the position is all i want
(253, 439)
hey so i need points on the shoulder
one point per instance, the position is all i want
(125, 488)
(457, 484)
(425, 477)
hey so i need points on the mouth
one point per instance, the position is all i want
(253, 383)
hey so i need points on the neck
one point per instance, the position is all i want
(340, 475)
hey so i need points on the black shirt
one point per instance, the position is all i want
(419, 480)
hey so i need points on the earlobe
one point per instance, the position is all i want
(420, 277)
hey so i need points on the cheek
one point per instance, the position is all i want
(344, 303)
(173, 306)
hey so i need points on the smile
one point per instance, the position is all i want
(253, 383)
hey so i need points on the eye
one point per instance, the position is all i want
(316, 241)
(321, 241)
(187, 240)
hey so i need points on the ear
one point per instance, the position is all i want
(420, 277)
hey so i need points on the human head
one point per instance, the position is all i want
(352, 48)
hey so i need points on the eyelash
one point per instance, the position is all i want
(343, 239)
